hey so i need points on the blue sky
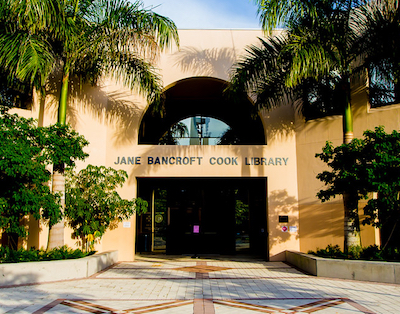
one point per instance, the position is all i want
(208, 14)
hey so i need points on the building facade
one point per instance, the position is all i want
(211, 192)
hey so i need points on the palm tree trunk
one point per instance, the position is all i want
(351, 221)
(62, 105)
(56, 232)
(83, 243)
(347, 123)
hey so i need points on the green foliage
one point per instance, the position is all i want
(330, 252)
(64, 252)
(26, 150)
(241, 212)
(367, 165)
(8, 255)
(92, 203)
(347, 171)
(371, 253)
(382, 152)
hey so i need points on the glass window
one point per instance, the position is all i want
(382, 90)
(197, 130)
(320, 98)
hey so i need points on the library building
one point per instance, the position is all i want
(219, 177)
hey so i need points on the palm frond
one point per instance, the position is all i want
(136, 73)
(32, 14)
(260, 73)
(128, 26)
(279, 13)
(26, 57)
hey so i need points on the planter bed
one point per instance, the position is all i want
(46, 271)
(387, 272)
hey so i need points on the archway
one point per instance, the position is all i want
(202, 96)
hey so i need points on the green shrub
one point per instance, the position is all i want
(8, 255)
(330, 252)
(372, 253)
(354, 252)
(392, 254)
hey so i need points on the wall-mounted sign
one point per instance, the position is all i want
(283, 218)
(126, 224)
(196, 229)
(292, 229)
(191, 160)
(284, 229)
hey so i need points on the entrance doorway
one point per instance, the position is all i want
(203, 216)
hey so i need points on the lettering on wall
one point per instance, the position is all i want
(198, 161)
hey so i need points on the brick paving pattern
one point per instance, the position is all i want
(218, 285)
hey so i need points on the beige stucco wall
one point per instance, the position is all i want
(109, 117)
(210, 54)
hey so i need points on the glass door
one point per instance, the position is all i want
(160, 220)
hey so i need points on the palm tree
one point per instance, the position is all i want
(315, 57)
(115, 37)
(88, 38)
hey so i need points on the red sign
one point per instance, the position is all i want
(284, 229)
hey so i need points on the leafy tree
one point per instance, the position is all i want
(363, 166)
(348, 178)
(382, 153)
(26, 152)
(93, 205)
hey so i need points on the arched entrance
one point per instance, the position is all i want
(195, 214)
(203, 96)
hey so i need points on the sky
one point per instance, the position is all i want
(207, 14)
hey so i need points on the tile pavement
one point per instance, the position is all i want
(215, 285)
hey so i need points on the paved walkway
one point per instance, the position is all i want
(181, 285)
